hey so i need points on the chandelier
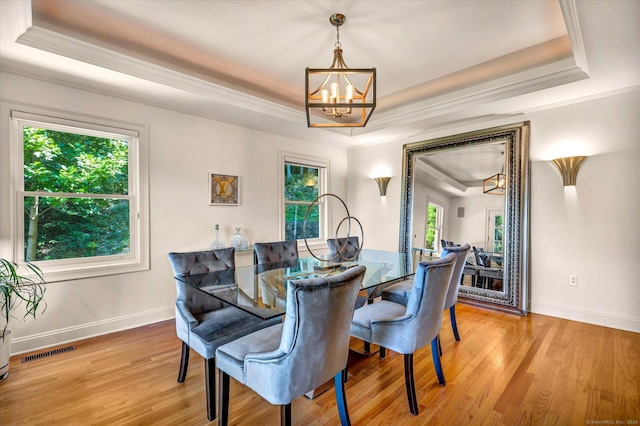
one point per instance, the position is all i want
(343, 96)
(495, 184)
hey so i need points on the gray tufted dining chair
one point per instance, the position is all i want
(344, 247)
(274, 255)
(285, 361)
(399, 292)
(203, 322)
(405, 329)
(276, 251)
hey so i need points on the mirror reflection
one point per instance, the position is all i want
(459, 198)
(472, 188)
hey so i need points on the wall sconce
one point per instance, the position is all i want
(569, 167)
(382, 184)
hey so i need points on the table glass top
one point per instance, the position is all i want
(259, 286)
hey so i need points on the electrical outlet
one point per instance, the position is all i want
(573, 280)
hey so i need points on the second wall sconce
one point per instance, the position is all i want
(569, 167)
(382, 184)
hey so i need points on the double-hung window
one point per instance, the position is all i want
(435, 213)
(81, 205)
(304, 180)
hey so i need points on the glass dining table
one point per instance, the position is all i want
(265, 285)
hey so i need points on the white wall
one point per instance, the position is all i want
(591, 230)
(472, 228)
(183, 149)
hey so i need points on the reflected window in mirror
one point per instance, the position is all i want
(435, 214)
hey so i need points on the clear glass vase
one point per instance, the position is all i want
(238, 242)
(216, 244)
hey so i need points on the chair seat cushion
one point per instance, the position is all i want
(382, 310)
(224, 325)
(230, 357)
(399, 292)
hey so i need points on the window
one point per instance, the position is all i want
(435, 213)
(304, 181)
(494, 230)
(81, 207)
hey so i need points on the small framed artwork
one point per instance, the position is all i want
(223, 190)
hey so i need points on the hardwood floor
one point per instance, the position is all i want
(507, 370)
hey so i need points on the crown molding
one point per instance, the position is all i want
(20, 12)
(419, 112)
(61, 44)
(570, 15)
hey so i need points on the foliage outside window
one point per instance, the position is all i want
(303, 180)
(434, 226)
(81, 197)
(301, 188)
(497, 234)
(75, 195)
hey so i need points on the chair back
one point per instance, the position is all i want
(426, 303)
(316, 334)
(200, 262)
(277, 251)
(454, 286)
(347, 247)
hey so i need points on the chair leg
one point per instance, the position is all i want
(210, 380)
(285, 415)
(341, 398)
(367, 347)
(410, 384)
(436, 361)
(439, 344)
(345, 373)
(454, 324)
(184, 363)
(223, 383)
(383, 352)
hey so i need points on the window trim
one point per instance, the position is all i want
(16, 116)
(323, 165)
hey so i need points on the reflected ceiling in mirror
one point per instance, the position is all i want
(460, 173)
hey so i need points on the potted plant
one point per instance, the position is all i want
(15, 289)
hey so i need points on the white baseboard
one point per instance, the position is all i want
(85, 331)
(591, 317)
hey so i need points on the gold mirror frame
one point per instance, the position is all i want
(516, 223)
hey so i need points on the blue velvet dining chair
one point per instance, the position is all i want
(203, 322)
(405, 329)
(276, 251)
(399, 292)
(344, 248)
(270, 256)
(285, 361)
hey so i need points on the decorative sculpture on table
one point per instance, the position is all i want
(341, 243)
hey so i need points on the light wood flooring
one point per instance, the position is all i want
(507, 370)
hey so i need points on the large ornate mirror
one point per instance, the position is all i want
(472, 188)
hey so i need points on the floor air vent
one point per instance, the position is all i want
(48, 353)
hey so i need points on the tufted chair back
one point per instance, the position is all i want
(189, 301)
(423, 316)
(348, 247)
(454, 286)
(277, 251)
